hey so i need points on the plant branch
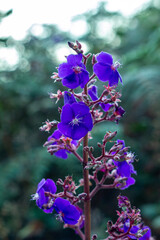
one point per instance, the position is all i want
(87, 205)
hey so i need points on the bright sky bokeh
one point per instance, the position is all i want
(60, 12)
(33, 13)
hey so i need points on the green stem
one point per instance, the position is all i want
(87, 204)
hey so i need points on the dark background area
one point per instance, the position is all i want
(25, 105)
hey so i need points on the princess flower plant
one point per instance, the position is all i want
(79, 115)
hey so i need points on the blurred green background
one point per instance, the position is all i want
(25, 105)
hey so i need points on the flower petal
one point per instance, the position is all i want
(66, 129)
(74, 60)
(50, 186)
(106, 106)
(83, 78)
(113, 78)
(69, 98)
(102, 71)
(61, 154)
(41, 184)
(67, 114)
(61, 204)
(87, 121)
(80, 109)
(64, 70)
(104, 57)
(93, 93)
(71, 215)
(78, 131)
(130, 181)
(71, 81)
(124, 169)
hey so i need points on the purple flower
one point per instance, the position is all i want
(106, 70)
(73, 73)
(69, 98)
(119, 111)
(135, 229)
(92, 92)
(125, 168)
(147, 235)
(47, 185)
(61, 153)
(76, 120)
(67, 211)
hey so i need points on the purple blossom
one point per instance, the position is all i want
(119, 111)
(76, 120)
(137, 228)
(106, 70)
(125, 167)
(147, 235)
(92, 92)
(73, 73)
(47, 185)
(61, 153)
(69, 98)
(67, 211)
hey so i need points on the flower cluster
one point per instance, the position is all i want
(47, 200)
(81, 111)
(129, 224)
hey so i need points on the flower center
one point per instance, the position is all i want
(75, 121)
(77, 69)
(115, 66)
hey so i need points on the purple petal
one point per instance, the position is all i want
(102, 71)
(71, 81)
(66, 129)
(71, 215)
(61, 204)
(113, 78)
(105, 58)
(123, 169)
(50, 186)
(78, 131)
(74, 60)
(43, 200)
(61, 154)
(130, 181)
(106, 106)
(122, 142)
(87, 121)
(80, 109)
(93, 93)
(83, 78)
(64, 70)
(147, 235)
(67, 114)
(56, 134)
(68, 98)
(41, 184)
(74, 142)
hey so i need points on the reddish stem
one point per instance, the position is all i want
(87, 204)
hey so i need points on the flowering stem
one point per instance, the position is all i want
(80, 233)
(87, 204)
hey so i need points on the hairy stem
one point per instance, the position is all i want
(87, 204)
